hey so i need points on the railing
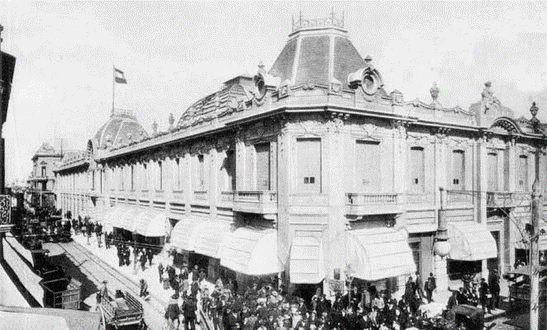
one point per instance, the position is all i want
(256, 196)
(459, 196)
(505, 198)
(372, 203)
(159, 193)
(368, 199)
(200, 194)
(419, 198)
(227, 196)
(178, 194)
(261, 202)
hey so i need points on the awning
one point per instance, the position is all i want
(113, 216)
(306, 260)
(378, 253)
(251, 251)
(184, 234)
(471, 241)
(209, 237)
(151, 223)
(128, 218)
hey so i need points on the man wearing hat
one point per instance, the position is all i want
(103, 292)
(172, 312)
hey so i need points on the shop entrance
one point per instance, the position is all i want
(458, 268)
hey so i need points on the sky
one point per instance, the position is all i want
(174, 53)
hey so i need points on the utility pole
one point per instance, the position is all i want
(535, 232)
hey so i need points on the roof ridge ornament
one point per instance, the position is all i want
(331, 21)
(434, 91)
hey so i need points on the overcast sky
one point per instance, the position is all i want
(174, 53)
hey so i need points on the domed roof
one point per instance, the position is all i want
(120, 129)
(317, 51)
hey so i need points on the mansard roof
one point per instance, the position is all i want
(46, 150)
(317, 52)
(218, 104)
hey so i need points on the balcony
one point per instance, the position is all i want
(227, 196)
(260, 202)
(372, 203)
(503, 199)
(159, 194)
(200, 195)
(178, 194)
(459, 197)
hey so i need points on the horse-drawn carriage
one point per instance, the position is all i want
(122, 311)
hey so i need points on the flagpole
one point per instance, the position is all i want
(113, 86)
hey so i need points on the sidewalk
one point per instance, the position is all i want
(150, 274)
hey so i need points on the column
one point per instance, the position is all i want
(482, 186)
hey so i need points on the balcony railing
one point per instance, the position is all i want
(506, 199)
(459, 197)
(372, 203)
(419, 198)
(200, 194)
(178, 194)
(159, 193)
(227, 196)
(261, 202)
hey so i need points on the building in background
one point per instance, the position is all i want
(316, 174)
(41, 182)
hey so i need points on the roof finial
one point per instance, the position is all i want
(434, 91)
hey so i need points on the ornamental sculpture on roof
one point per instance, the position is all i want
(488, 99)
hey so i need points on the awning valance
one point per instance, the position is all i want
(306, 260)
(209, 238)
(113, 217)
(471, 241)
(251, 251)
(378, 253)
(184, 234)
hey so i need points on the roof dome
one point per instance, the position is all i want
(317, 51)
(120, 129)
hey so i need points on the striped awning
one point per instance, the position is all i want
(306, 260)
(251, 251)
(378, 253)
(471, 241)
(209, 237)
(184, 234)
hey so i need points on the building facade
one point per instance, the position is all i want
(41, 182)
(312, 171)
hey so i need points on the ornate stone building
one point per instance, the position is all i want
(41, 182)
(314, 172)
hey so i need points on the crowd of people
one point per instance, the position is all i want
(264, 306)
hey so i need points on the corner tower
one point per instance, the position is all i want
(318, 52)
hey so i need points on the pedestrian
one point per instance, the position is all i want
(172, 313)
(103, 291)
(143, 289)
(189, 308)
(430, 286)
(494, 285)
(98, 233)
(150, 256)
(143, 261)
(484, 292)
(160, 271)
(419, 287)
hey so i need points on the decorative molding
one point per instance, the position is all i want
(401, 126)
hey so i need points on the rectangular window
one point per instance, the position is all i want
(493, 171)
(201, 173)
(132, 177)
(368, 166)
(230, 170)
(309, 165)
(43, 171)
(93, 180)
(160, 176)
(458, 170)
(121, 178)
(101, 179)
(262, 152)
(176, 169)
(505, 157)
(144, 177)
(417, 171)
(522, 183)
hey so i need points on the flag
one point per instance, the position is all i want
(119, 77)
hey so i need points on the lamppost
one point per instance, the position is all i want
(442, 245)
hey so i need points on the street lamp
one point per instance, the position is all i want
(442, 245)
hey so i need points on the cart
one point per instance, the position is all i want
(519, 285)
(469, 316)
(61, 293)
(121, 312)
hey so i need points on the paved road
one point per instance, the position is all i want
(87, 268)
